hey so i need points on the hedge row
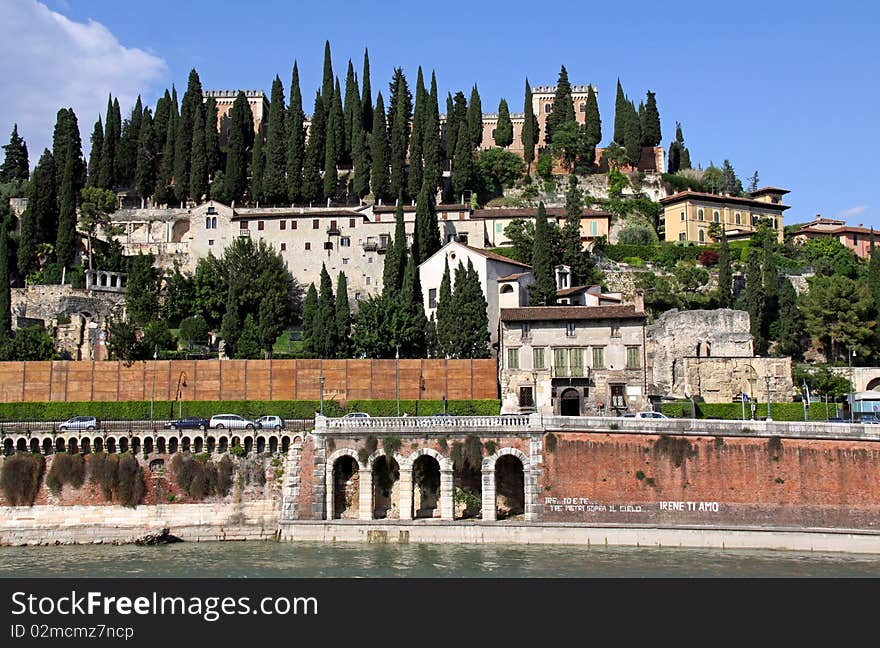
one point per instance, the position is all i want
(778, 411)
(140, 410)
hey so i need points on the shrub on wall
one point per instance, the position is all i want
(66, 469)
(119, 476)
(20, 478)
(201, 477)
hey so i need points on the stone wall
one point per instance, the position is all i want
(45, 302)
(721, 380)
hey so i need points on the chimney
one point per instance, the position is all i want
(639, 301)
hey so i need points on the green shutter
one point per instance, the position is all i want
(560, 366)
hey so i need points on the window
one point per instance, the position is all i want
(315, 223)
(855, 236)
(345, 241)
(538, 358)
(577, 362)
(499, 228)
(378, 218)
(493, 133)
(293, 224)
(210, 241)
(211, 210)
(617, 398)
(333, 225)
(547, 108)
(345, 262)
(594, 228)
(560, 362)
(513, 358)
(682, 215)
(583, 107)
(615, 329)
(632, 357)
(755, 219)
(526, 397)
(351, 222)
(357, 296)
(702, 236)
(328, 245)
(282, 225)
(284, 247)
(716, 216)
(207, 223)
(213, 222)
(243, 225)
(699, 214)
(260, 225)
(368, 280)
(308, 245)
(737, 218)
(432, 298)
(598, 357)
(682, 236)
(527, 329)
(569, 329)
(773, 225)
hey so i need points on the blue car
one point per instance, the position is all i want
(188, 423)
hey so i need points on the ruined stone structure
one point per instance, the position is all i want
(709, 354)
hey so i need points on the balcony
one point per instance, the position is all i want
(370, 246)
(333, 231)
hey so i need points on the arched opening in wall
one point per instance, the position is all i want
(123, 444)
(223, 445)
(35, 445)
(47, 446)
(386, 488)
(59, 444)
(261, 444)
(135, 445)
(235, 442)
(21, 445)
(211, 445)
(570, 403)
(273, 444)
(426, 487)
(179, 229)
(86, 446)
(172, 445)
(7, 447)
(467, 477)
(708, 349)
(198, 444)
(99, 444)
(506, 289)
(510, 490)
(674, 363)
(346, 488)
(248, 444)
(285, 444)
(699, 348)
(160, 445)
(111, 445)
(874, 385)
(185, 444)
(72, 446)
(148, 445)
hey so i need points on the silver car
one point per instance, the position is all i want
(232, 422)
(79, 423)
(270, 422)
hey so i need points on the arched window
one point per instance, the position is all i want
(738, 218)
(547, 108)
(716, 216)
(700, 214)
(702, 236)
(207, 222)
(214, 223)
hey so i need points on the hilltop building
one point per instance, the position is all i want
(225, 98)
(857, 239)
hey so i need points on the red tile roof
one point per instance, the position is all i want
(568, 313)
(532, 212)
(716, 198)
(496, 257)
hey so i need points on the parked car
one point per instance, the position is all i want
(270, 422)
(79, 423)
(870, 420)
(232, 421)
(646, 415)
(836, 419)
(188, 423)
(356, 415)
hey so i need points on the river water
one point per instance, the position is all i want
(315, 560)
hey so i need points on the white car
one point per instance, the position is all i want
(270, 422)
(647, 415)
(79, 423)
(232, 422)
(356, 415)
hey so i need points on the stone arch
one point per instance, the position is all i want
(570, 402)
(297, 439)
(85, 445)
(222, 444)
(111, 444)
(510, 488)
(172, 445)
(343, 484)
(123, 444)
(160, 445)
(248, 444)
(235, 441)
(47, 446)
(8, 447)
(179, 229)
(21, 445)
(273, 443)
(59, 444)
(198, 444)
(385, 473)
(148, 444)
(506, 288)
(426, 483)
(35, 445)
(261, 444)
(285, 444)
(135, 444)
(873, 385)
(210, 445)
(708, 349)
(98, 444)
(73, 445)
(185, 444)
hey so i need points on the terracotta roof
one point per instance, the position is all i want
(532, 212)
(568, 313)
(763, 190)
(514, 276)
(390, 209)
(341, 213)
(716, 198)
(496, 257)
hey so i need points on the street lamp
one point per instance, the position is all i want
(322, 394)
(181, 383)
(767, 379)
(153, 396)
(397, 376)
(753, 377)
(535, 389)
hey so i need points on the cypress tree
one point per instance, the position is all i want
(652, 135)
(570, 239)
(543, 291)
(327, 84)
(198, 176)
(395, 257)
(674, 163)
(416, 142)
(504, 129)
(592, 119)
(145, 170)
(367, 97)
(183, 139)
(642, 123)
(562, 112)
(685, 156)
(771, 289)
(248, 343)
(790, 322)
(426, 239)
(449, 130)
(475, 119)
(379, 180)
(39, 216)
(331, 179)
(621, 116)
(274, 182)
(431, 133)
(633, 137)
(66, 242)
(258, 165)
(106, 179)
(530, 129)
(874, 270)
(241, 138)
(312, 188)
(231, 325)
(445, 322)
(361, 162)
(325, 319)
(339, 125)
(462, 165)
(343, 316)
(5, 292)
(725, 275)
(212, 138)
(66, 142)
(127, 154)
(163, 192)
(399, 115)
(15, 163)
(160, 119)
(310, 308)
(755, 300)
(296, 140)
(97, 143)
(473, 311)
(352, 112)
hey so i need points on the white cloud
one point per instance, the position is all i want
(48, 61)
(853, 211)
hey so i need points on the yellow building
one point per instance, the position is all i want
(688, 215)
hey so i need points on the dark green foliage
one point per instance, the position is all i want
(367, 96)
(142, 290)
(67, 241)
(530, 129)
(352, 112)
(789, 332)
(183, 139)
(112, 134)
(160, 119)
(230, 326)
(446, 327)
(550, 442)
(343, 318)
(126, 159)
(462, 164)
(66, 469)
(399, 116)
(497, 169)
(212, 138)
(124, 344)
(15, 163)
(119, 476)
(248, 342)
(841, 315)
(431, 131)
(729, 182)
(583, 269)
(5, 293)
(336, 125)
(725, 275)
(97, 205)
(20, 478)
(310, 308)
(467, 457)
(198, 176)
(621, 116)
(332, 147)
(426, 236)
(562, 112)
(164, 193)
(462, 322)
(632, 137)
(324, 331)
(194, 330)
(417, 136)
(327, 83)
(30, 343)
(379, 180)
(360, 160)
(504, 129)
(678, 449)
(240, 141)
(755, 299)
(543, 291)
(97, 145)
(296, 140)
(39, 223)
(312, 186)
(771, 288)
(874, 270)
(593, 120)
(274, 180)
(475, 119)
(147, 157)
(652, 134)
(258, 163)
(456, 119)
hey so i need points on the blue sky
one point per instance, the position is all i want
(783, 88)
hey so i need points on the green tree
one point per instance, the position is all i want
(433, 172)
(147, 155)
(427, 230)
(183, 139)
(367, 96)
(327, 83)
(15, 163)
(691, 279)
(361, 160)
(504, 128)
(725, 274)
(240, 141)
(496, 169)
(193, 330)
(621, 116)
(324, 331)
(274, 316)
(258, 165)
(248, 343)
(730, 184)
(395, 257)
(446, 328)
(128, 142)
(5, 292)
(562, 112)
(180, 296)
(374, 333)
(462, 165)
(571, 247)
(633, 137)
(652, 135)
(417, 138)
(352, 112)
(399, 116)
(212, 138)
(39, 220)
(475, 118)
(310, 308)
(274, 181)
(529, 130)
(637, 231)
(874, 270)
(312, 185)
(296, 140)
(332, 147)
(142, 290)
(97, 144)
(33, 343)
(198, 176)
(67, 240)
(231, 326)
(790, 331)
(164, 193)
(840, 314)
(97, 205)
(379, 180)
(343, 317)
(755, 300)
(771, 289)
(592, 119)
(521, 234)
(543, 291)
(336, 123)
(112, 132)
